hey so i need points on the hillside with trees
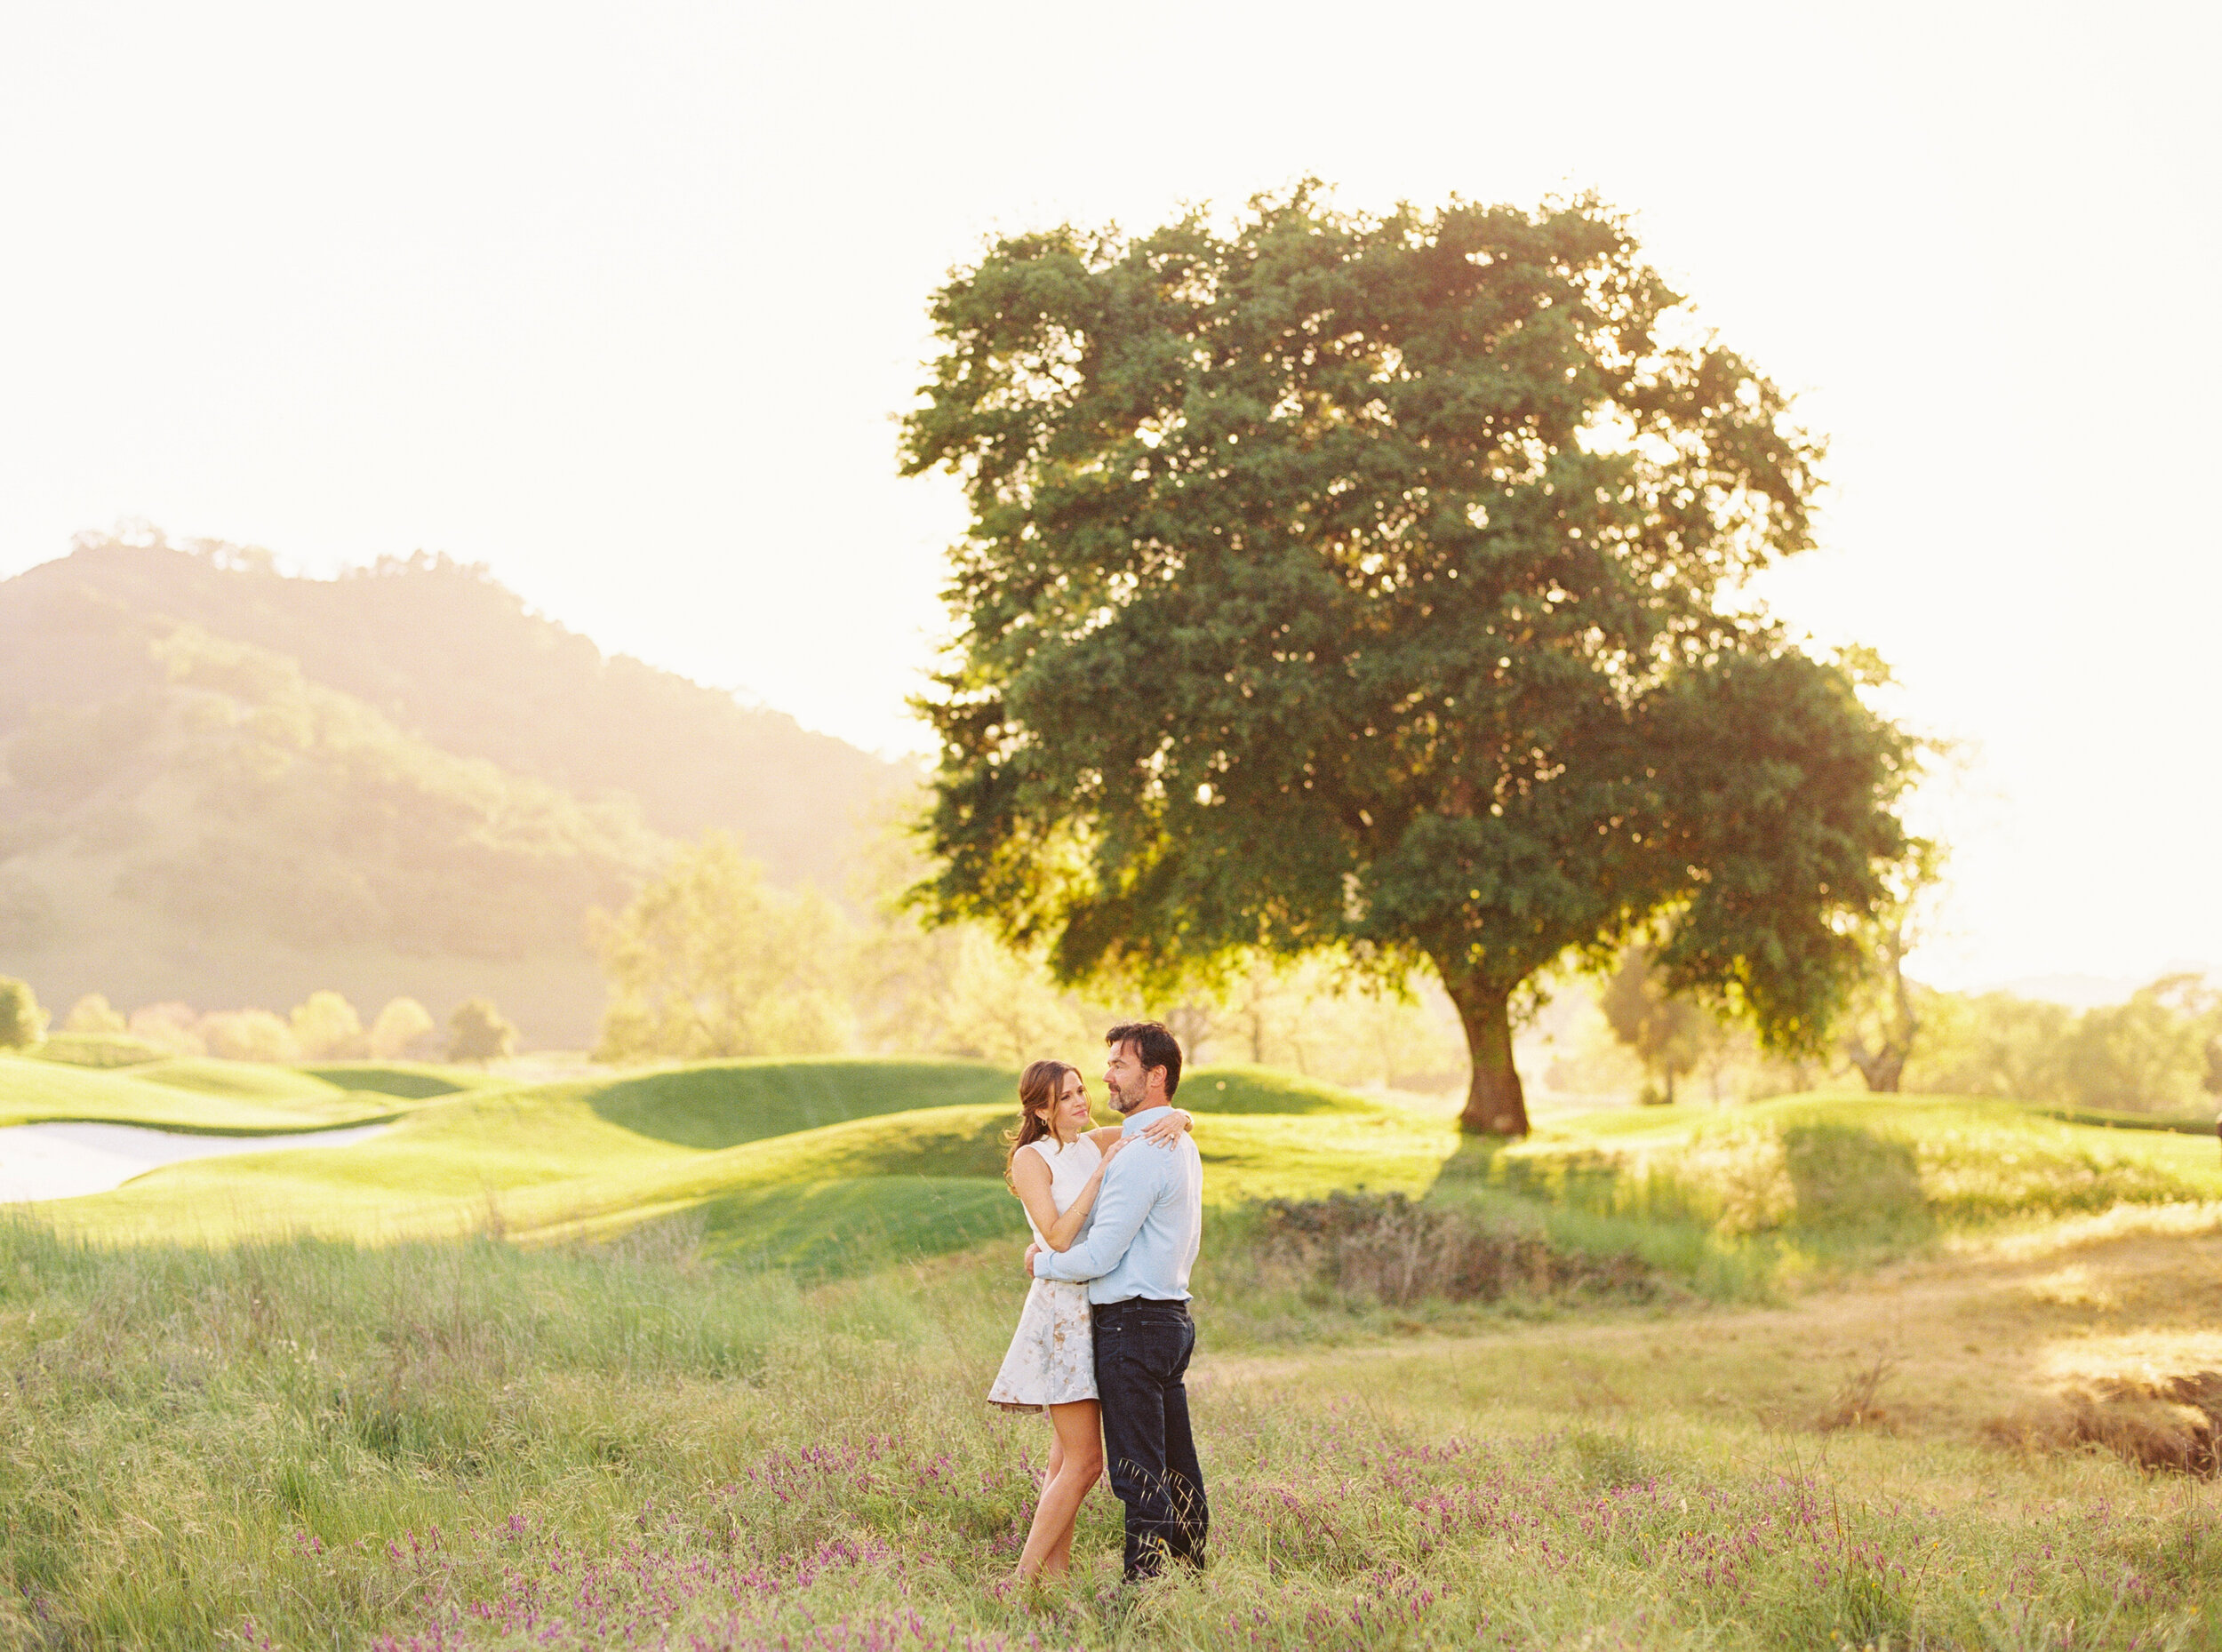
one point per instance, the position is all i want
(224, 785)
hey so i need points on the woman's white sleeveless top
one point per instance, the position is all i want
(1070, 1167)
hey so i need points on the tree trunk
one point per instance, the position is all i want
(1494, 1102)
(1884, 1068)
(1880, 1068)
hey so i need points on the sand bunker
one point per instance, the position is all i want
(59, 1160)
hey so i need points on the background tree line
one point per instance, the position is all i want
(712, 960)
(2159, 1051)
(325, 1026)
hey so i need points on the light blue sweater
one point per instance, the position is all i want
(1148, 1221)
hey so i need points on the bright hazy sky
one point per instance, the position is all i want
(621, 300)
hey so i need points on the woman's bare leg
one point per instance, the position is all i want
(1050, 1563)
(1076, 1459)
(1059, 1559)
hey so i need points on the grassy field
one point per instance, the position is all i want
(694, 1358)
(836, 1164)
(827, 1164)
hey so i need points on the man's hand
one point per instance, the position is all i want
(1032, 1250)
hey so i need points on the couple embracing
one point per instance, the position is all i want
(1103, 1340)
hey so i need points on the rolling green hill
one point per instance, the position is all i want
(452, 656)
(788, 1160)
(829, 1164)
(1237, 1087)
(558, 1157)
(221, 1098)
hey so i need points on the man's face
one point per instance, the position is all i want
(1126, 1078)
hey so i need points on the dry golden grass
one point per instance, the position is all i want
(2046, 1346)
(2173, 1425)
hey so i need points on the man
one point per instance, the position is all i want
(1136, 1257)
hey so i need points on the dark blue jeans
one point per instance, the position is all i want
(1142, 1349)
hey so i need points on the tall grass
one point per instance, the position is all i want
(305, 1445)
(1736, 1204)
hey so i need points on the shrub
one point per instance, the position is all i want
(22, 1023)
(249, 1035)
(710, 960)
(478, 1032)
(94, 1013)
(400, 1028)
(173, 1028)
(1398, 1252)
(2171, 1424)
(326, 1028)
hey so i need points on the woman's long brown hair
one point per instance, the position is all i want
(1038, 1089)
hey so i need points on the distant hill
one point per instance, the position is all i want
(228, 785)
(2077, 991)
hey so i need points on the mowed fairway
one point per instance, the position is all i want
(836, 1164)
(223, 1098)
(821, 1164)
(520, 1157)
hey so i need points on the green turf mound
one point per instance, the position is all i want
(721, 1140)
(1233, 1087)
(243, 1080)
(410, 1080)
(218, 1097)
(822, 1229)
(721, 1103)
(931, 1144)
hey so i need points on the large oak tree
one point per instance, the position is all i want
(1373, 582)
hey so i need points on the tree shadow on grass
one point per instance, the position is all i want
(1842, 1177)
(1482, 1168)
(1849, 1182)
(1724, 1226)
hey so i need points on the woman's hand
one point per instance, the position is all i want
(1165, 1131)
(1117, 1145)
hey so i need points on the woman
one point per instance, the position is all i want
(1056, 1167)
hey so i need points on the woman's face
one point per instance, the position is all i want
(1072, 1107)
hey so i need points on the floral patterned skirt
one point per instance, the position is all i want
(1052, 1358)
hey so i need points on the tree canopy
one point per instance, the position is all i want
(710, 960)
(1372, 583)
(1667, 1031)
(478, 1032)
(22, 1022)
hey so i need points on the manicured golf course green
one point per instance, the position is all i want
(831, 1163)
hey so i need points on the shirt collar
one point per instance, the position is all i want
(1144, 1118)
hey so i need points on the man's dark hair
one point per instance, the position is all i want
(1154, 1047)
